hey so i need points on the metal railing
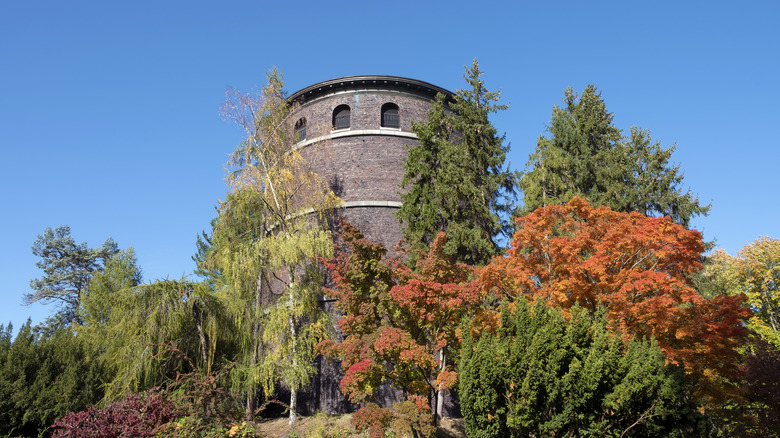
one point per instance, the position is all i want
(341, 121)
(390, 120)
(300, 133)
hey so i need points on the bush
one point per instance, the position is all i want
(138, 415)
(543, 374)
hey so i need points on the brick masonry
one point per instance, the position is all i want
(363, 165)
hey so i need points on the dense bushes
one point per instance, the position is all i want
(544, 375)
(45, 372)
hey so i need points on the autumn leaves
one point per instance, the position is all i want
(403, 325)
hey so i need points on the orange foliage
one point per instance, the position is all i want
(399, 325)
(635, 266)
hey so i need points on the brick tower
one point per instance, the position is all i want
(362, 127)
(355, 132)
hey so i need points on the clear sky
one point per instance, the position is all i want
(109, 116)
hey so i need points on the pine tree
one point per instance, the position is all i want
(455, 179)
(587, 156)
(67, 269)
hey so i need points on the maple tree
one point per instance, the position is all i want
(399, 324)
(636, 266)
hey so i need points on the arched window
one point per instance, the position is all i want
(341, 117)
(300, 129)
(390, 116)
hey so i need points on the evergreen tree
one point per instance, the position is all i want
(44, 376)
(67, 268)
(455, 179)
(587, 156)
(542, 374)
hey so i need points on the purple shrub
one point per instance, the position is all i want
(138, 415)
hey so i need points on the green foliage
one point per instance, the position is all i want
(147, 322)
(587, 156)
(43, 376)
(105, 293)
(754, 272)
(455, 177)
(264, 245)
(67, 269)
(543, 375)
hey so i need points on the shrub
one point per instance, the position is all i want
(137, 415)
(542, 374)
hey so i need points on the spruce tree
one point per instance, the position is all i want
(455, 179)
(587, 156)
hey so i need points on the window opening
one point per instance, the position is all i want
(390, 116)
(300, 129)
(341, 117)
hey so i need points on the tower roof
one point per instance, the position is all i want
(369, 82)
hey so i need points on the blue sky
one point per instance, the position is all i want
(109, 116)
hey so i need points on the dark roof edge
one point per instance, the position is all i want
(371, 81)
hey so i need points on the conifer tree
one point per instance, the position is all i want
(455, 178)
(587, 156)
(541, 374)
(67, 268)
(44, 375)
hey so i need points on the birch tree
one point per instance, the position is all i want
(268, 263)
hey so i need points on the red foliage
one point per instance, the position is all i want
(414, 415)
(398, 323)
(373, 418)
(138, 415)
(637, 267)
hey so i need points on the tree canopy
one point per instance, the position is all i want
(399, 324)
(755, 272)
(587, 156)
(266, 240)
(638, 267)
(455, 178)
(67, 269)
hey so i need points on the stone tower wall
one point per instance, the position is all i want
(363, 165)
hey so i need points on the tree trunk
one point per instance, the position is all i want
(204, 345)
(291, 321)
(437, 414)
(251, 394)
(293, 400)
